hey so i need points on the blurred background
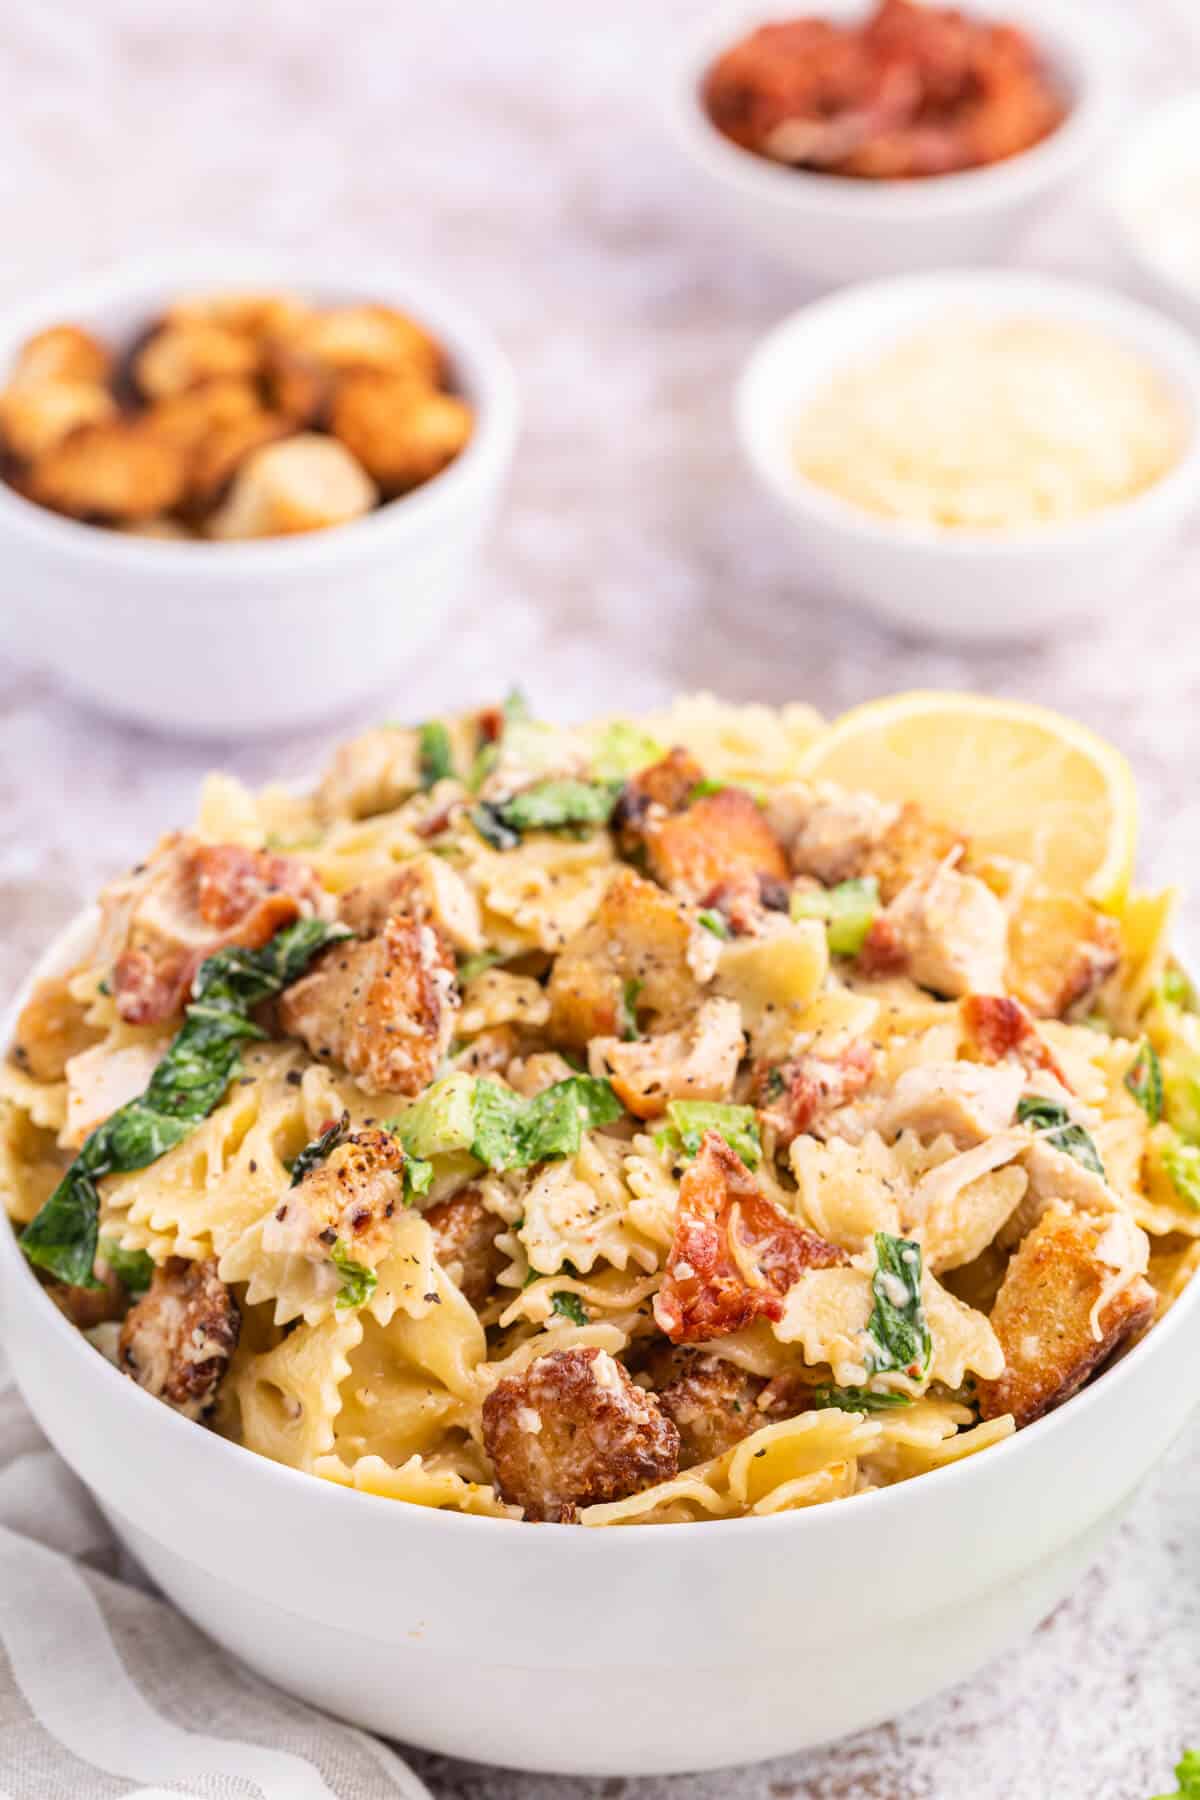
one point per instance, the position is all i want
(515, 155)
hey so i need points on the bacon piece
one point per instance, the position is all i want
(464, 1235)
(999, 1027)
(734, 1255)
(189, 900)
(796, 1096)
(177, 1341)
(572, 1429)
(383, 1007)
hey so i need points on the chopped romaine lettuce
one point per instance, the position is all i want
(1144, 1080)
(1051, 1120)
(621, 750)
(848, 910)
(690, 1119)
(357, 1281)
(1181, 1162)
(434, 754)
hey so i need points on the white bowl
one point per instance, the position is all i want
(1152, 170)
(973, 586)
(636, 1650)
(215, 638)
(833, 229)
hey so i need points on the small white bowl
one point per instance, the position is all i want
(215, 638)
(637, 1650)
(1151, 169)
(833, 229)
(973, 586)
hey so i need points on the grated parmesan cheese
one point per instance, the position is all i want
(987, 425)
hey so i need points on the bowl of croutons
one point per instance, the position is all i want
(237, 494)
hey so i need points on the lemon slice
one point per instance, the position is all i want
(1020, 780)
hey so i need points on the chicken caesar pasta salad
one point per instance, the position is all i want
(659, 1121)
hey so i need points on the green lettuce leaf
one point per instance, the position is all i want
(1053, 1124)
(848, 910)
(898, 1329)
(690, 1119)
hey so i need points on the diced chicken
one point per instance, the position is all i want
(966, 1101)
(464, 1235)
(37, 415)
(1055, 1174)
(572, 1430)
(51, 1029)
(531, 1075)
(800, 1095)
(304, 483)
(99, 1081)
(187, 901)
(350, 1198)
(62, 353)
(177, 1341)
(182, 354)
(641, 950)
(711, 1402)
(947, 931)
(997, 1027)
(116, 469)
(734, 1254)
(370, 774)
(401, 430)
(1073, 1293)
(829, 832)
(696, 1061)
(427, 889)
(382, 1007)
(1060, 952)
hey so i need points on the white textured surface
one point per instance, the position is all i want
(512, 151)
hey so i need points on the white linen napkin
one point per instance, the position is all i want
(107, 1693)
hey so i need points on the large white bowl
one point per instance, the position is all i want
(1157, 176)
(635, 1650)
(215, 638)
(972, 586)
(833, 229)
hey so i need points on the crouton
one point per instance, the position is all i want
(177, 1341)
(248, 314)
(572, 1430)
(37, 415)
(641, 950)
(109, 471)
(1072, 1294)
(188, 418)
(366, 337)
(911, 845)
(63, 353)
(664, 786)
(464, 1236)
(1060, 951)
(179, 356)
(721, 839)
(734, 1254)
(402, 432)
(302, 484)
(219, 455)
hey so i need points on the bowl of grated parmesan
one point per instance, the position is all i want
(985, 454)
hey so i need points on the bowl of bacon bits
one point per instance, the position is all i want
(870, 139)
(220, 431)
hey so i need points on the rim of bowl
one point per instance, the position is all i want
(1165, 346)
(1133, 158)
(321, 1492)
(486, 376)
(1075, 44)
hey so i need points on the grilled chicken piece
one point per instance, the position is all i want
(177, 1341)
(966, 1101)
(1060, 951)
(947, 931)
(382, 1007)
(734, 1255)
(696, 1061)
(642, 950)
(573, 1430)
(465, 1233)
(799, 1095)
(712, 1403)
(427, 889)
(350, 1198)
(997, 1027)
(189, 900)
(51, 1030)
(1073, 1293)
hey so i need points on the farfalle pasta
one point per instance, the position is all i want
(606, 1125)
